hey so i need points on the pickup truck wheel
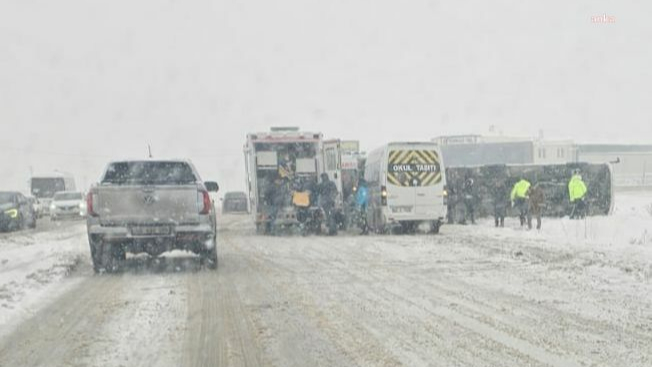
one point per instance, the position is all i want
(96, 251)
(211, 261)
(108, 257)
(209, 257)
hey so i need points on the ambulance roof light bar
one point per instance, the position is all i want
(275, 129)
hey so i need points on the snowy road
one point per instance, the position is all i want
(577, 294)
(42, 225)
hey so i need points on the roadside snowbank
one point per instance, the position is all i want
(32, 267)
(623, 239)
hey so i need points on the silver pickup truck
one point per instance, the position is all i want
(150, 206)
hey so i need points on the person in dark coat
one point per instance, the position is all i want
(327, 197)
(327, 193)
(468, 198)
(537, 200)
(500, 199)
(450, 203)
(275, 195)
(361, 201)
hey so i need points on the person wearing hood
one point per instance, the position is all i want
(361, 201)
(274, 200)
(500, 198)
(520, 199)
(537, 199)
(327, 198)
(577, 192)
(469, 199)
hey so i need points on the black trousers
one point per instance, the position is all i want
(578, 210)
(500, 211)
(537, 215)
(523, 208)
(469, 211)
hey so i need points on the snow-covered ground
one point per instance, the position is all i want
(34, 269)
(623, 239)
(576, 293)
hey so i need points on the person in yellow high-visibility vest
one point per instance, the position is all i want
(577, 192)
(519, 198)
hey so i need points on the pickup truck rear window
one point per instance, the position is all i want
(149, 173)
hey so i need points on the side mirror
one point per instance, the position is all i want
(212, 186)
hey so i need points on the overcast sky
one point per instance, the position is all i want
(83, 82)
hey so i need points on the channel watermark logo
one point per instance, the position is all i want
(603, 19)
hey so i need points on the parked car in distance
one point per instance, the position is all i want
(67, 204)
(235, 202)
(43, 187)
(16, 212)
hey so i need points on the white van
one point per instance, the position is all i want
(406, 187)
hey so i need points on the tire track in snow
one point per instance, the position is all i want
(486, 330)
(220, 331)
(55, 335)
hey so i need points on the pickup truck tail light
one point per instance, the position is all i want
(205, 205)
(89, 205)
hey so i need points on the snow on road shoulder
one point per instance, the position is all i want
(622, 240)
(146, 325)
(32, 269)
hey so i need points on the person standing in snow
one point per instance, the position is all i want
(520, 200)
(577, 193)
(450, 203)
(500, 199)
(327, 198)
(537, 200)
(274, 201)
(361, 201)
(468, 198)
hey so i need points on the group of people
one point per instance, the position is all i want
(527, 199)
(280, 191)
(462, 201)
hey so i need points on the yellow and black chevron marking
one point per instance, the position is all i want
(413, 168)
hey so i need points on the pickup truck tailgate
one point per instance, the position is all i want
(147, 204)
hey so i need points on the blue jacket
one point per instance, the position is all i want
(362, 196)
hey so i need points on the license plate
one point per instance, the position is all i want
(150, 231)
(402, 209)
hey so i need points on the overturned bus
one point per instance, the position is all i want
(553, 178)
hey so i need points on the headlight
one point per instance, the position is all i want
(82, 206)
(52, 206)
(12, 213)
